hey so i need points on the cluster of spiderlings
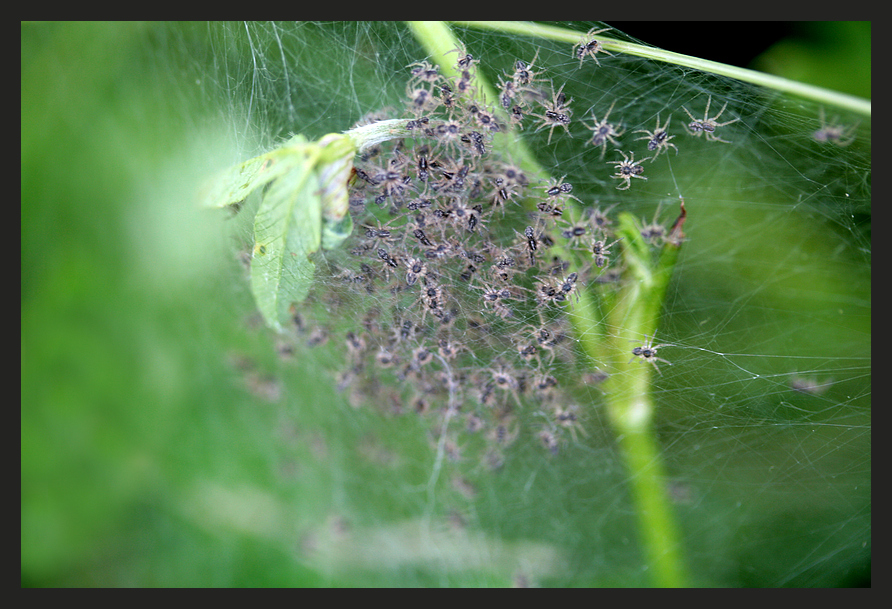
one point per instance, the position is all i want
(450, 296)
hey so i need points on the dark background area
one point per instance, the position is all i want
(710, 40)
(833, 55)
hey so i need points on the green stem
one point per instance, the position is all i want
(630, 406)
(375, 133)
(769, 81)
(438, 40)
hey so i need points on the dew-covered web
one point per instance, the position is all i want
(764, 412)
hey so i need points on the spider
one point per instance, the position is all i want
(557, 113)
(566, 418)
(532, 243)
(654, 232)
(423, 163)
(433, 296)
(707, 125)
(503, 192)
(507, 93)
(549, 441)
(422, 101)
(524, 75)
(417, 269)
(449, 176)
(393, 185)
(543, 383)
(628, 169)
(484, 118)
(516, 118)
(603, 132)
(448, 134)
(576, 231)
(502, 434)
(512, 175)
(838, 134)
(648, 353)
(380, 235)
(503, 378)
(465, 61)
(422, 237)
(505, 267)
(475, 141)
(558, 190)
(452, 177)
(446, 249)
(421, 356)
(589, 47)
(355, 344)
(465, 84)
(599, 219)
(528, 353)
(444, 93)
(600, 251)
(422, 71)
(390, 261)
(448, 350)
(385, 358)
(568, 285)
(464, 216)
(545, 338)
(496, 298)
(659, 138)
(548, 293)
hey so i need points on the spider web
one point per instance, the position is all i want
(763, 414)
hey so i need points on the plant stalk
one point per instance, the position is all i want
(550, 32)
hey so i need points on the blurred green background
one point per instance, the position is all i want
(157, 449)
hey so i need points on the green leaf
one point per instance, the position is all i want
(232, 186)
(304, 207)
(287, 230)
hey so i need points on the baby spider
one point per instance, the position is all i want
(497, 297)
(524, 75)
(566, 418)
(380, 235)
(507, 93)
(533, 239)
(707, 125)
(502, 193)
(603, 132)
(589, 47)
(558, 190)
(648, 353)
(465, 61)
(598, 219)
(421, 101)
(417, 269)
(557, 113)
(568, 285)
(393, 184)
(838, 134)
(600, 251)
(659, 138)
(422, 71)
(654, 232)
(628, 169)
(575, 232)
(504, 378)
